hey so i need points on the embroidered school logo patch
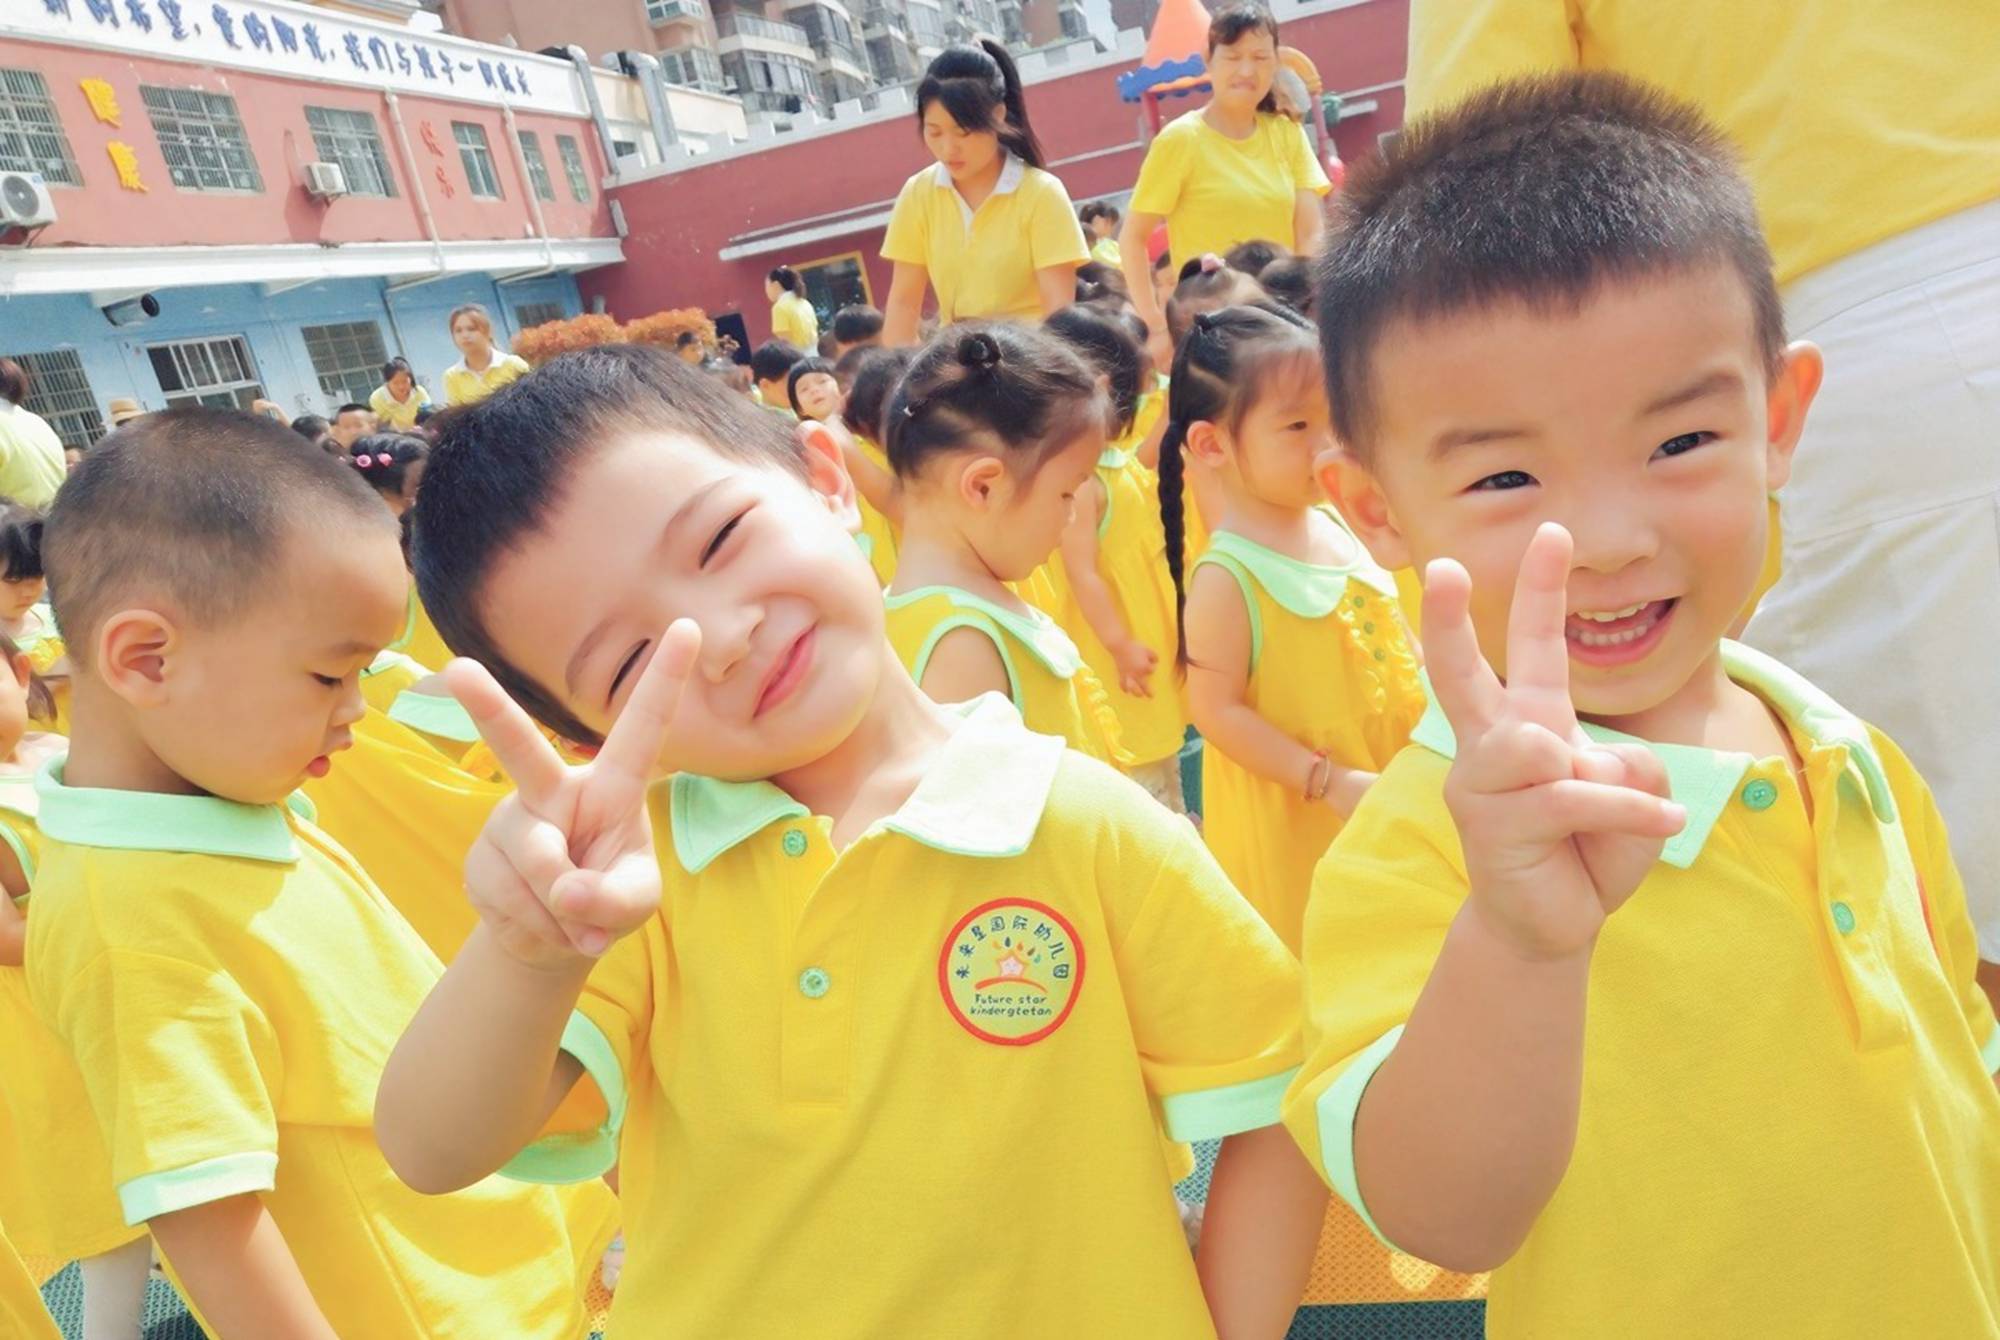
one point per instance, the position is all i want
(1010, 971)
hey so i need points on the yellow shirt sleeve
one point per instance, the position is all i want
(1162, 175)
(1943, 892)
(1304, 164)
(908, 236)
(181, 1068)
(1457, 46)
(1213, 996)
(1054, 235)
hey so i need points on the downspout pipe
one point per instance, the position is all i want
(527, 183)
(587, 73)
(652, 81)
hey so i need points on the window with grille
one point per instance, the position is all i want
(538, 166)
(352, 140)
(202, 139)
(347, 358)
(480, 173)
(536, 313)
(31, 137)
(60, 393)
(215, 372)
(572, 161)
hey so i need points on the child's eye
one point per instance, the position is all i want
(721, 537)
(630, 664)
(1686, 442)
(1506, 479)
(328, 681)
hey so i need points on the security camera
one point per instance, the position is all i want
(131, 311)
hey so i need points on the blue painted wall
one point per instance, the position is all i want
(115, 359)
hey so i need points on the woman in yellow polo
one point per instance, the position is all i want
(984, 227)
(1235, 170)
(484, 367)
(793, 319)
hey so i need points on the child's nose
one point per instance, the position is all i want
(1611, 534)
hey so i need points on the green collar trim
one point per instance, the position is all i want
(434, 714)
(1041, 635)
(983, 795)
(149, 821)
(1309, 590)
(409, 623)
(1704, 781)
(1112, 458)
(40, 627)
(390, 659)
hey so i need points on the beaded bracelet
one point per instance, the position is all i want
(1320, 777)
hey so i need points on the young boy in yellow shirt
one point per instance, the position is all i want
(1713, 1065)
(228, 980)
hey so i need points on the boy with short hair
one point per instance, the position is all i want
(856, 326)
(351, 423)
(1552, 304)
(229, 981)
(771, 365)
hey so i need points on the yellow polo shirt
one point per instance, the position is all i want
(917, 1087)
(1214, 191)
(982, 262)
(21, 1312)
(1788, 1122)
(231, 985)
(462, 386)
(398, 414)
(1848, 132)
(794, 321)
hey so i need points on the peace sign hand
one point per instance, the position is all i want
(565, 865)
(1557, 830)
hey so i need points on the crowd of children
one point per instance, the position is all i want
(796, 876)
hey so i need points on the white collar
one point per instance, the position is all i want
(1012, 172)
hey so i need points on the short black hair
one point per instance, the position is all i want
(805, 367)
(875, 379)
(785, 277)
(20, 541)
(1098, 209)
(349, 408)
(502, 464)
(1208, 291)
(1289, 280)
(14, 382)
(1107, 346)
(311, 427)
(1253, 256)
(1537, 190)
(193, 503)
(1098, 282)
(394, 366)
(1238, 21)
(857, 323)
(773, 360)
(384, 459)
(1012, 389)
(686, 338)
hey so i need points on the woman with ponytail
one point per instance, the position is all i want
(985, 227)
(1301, 676)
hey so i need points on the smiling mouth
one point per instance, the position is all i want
(787, 674)
(1617, 636)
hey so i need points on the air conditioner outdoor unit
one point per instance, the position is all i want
(25, 201)
(325, 180)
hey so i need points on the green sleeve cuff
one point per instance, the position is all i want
(202, 1183)
(434, 715)
(580, 1157)
(1210, 1114)
(1335, 1113)
(1990, 1053)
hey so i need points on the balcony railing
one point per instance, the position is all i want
(749, 25)
(825, 48)
(666, 11)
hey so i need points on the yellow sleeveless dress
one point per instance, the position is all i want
(1331, 666)
(1131, 556)
(878, 534)
(1052, 688)
(56, 1195)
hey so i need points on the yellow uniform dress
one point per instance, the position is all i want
(878, 537)
(1788, 1112)
(1131, 557)
(982, 262)
(55, 1174)
(794, 321)
(942, 1056)
(1331, 667)
(463, 386)
(1052, 688)
(231, 984)
(1215, 191)
(400, 415)
(22, 1315)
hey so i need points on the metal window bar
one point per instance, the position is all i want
(59, 391)
(572, 161)
(473, 152)
(347, 358)
(202, 139)
(215, 372)
(536, 313)
(538, 166)
(352, 140)
(31, 135)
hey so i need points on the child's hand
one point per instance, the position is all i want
(1557, 830)
(1135, 662)
(565, 865)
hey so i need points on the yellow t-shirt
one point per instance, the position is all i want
(1848, 131)
(1214, 191)
(794, 321)
(394, 413)
(463, 386)
(231, 984)
(878, 537)
(943, 1056)
(31, 457)
(1788, 1112)
(55, 1173)
(982, 263)
(1105, 249)
(21, 1312)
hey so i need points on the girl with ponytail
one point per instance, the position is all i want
(985, 227)
(991, 434)
(1301, 674)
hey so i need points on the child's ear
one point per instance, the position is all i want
(824, 446)
(980, 480)
(1791, 396)
(1205, 444)
(1355, 491)
(134, 650)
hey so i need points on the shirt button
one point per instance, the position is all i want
(1843, 918)
(1760, 795)
(795, 842)
(814, 983)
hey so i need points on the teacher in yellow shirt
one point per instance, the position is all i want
(793, 319)
(985, 227)
(31, 454)
(484, 367)
(1235, 170)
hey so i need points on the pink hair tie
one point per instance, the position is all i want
(364, 461)
(1210, 262)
